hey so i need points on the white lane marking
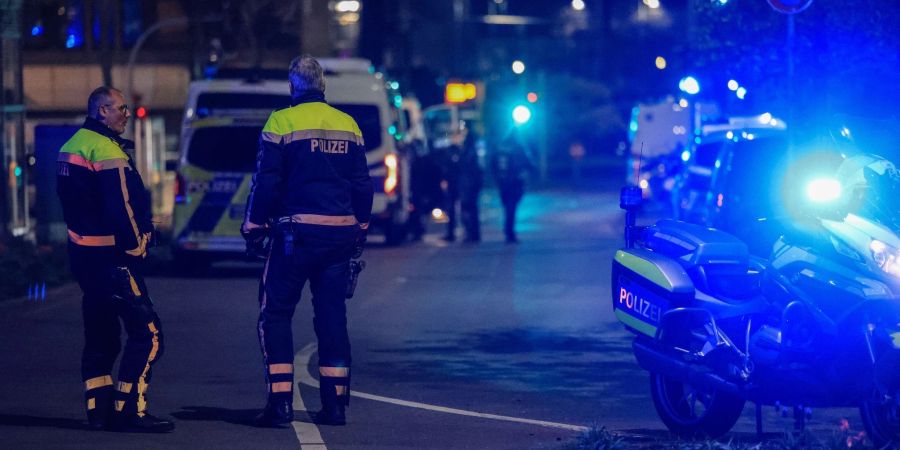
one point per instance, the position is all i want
(302, 360)
(307, 433)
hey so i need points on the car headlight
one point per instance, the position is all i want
(823, 190)
(886, 257)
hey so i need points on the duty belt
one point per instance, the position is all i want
(319, 219)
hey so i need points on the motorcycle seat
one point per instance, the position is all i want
(731, 283)
(696, 245)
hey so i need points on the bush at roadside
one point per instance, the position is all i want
(24, 264)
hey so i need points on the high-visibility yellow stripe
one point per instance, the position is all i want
(97, 382)
(334, 371)
(91, 241)
(269, 136)
(337, 135)
(91, 403)
(142, 383)
(116, 163)
(76, 160)
(340, 390)
(91, 147)
(321, 219)
(134, 287)
(124, 387)
(276, 369)
(141, 249)
(125, 198)
(120, 405)
(284, 386)
(312, 116)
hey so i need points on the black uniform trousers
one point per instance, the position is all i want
(319, 254)
(114, 291)
(511, 193)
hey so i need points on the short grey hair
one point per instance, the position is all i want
(98, 98)
(306, 74)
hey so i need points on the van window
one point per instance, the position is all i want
(225, 149)
(366, 116)
(369, 121)
(213, 102)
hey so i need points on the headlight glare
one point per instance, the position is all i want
(886, 257)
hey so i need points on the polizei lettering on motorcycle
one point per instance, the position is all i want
(639, 306)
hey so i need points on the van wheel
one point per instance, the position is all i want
(694, 412)
(394, 233)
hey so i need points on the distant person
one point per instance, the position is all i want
(511, 166)
(470, 183)
(312, 195)
(107, 213)
(451, 169)
(425, 187)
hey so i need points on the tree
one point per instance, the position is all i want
(845, 53)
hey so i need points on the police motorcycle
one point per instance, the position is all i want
(817, 324)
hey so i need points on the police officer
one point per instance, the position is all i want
(511, 166)
(107, 213)
(312, 194)
(470, 183)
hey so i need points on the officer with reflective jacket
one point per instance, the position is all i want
(107, 213)
(313, 196)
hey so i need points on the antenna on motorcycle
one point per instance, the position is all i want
(637, 173)
(630, 198)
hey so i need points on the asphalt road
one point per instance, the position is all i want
(455, 346)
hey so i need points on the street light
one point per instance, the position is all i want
(518, 67)
(578, 5)
(521, 114)
(689, 85)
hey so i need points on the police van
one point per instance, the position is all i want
(218, 148)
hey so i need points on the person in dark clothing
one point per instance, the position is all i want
(511, 166)
(312, 195)
(451, 174)
(462, 174)
(470, 183)
(425, 188)
(108, 216)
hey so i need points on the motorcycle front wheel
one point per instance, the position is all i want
(694, 412)
(881, 418)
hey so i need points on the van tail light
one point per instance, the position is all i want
(391, 180)
(180, 197)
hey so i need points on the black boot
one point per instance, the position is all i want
(141, 423)
(332, 412)
(276, 413)
(99, 407)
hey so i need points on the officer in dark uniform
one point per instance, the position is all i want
(107, 212)
(470, 183)
(511, 166)
(312, 194)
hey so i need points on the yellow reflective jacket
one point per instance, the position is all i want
(311, 160)
(103, 197)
